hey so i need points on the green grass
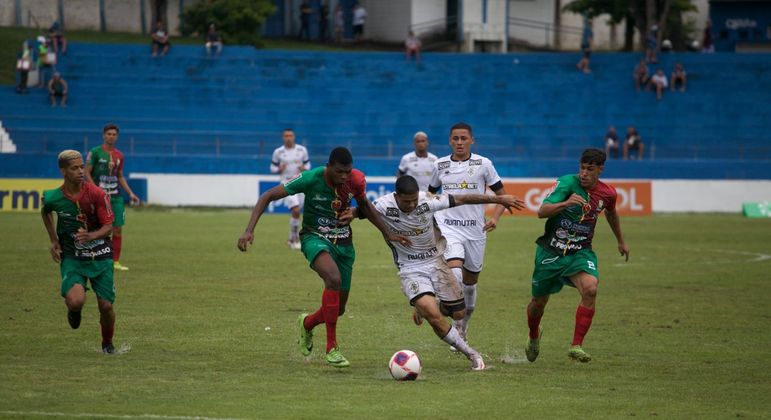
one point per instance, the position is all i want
(681, 331)
(11, 39)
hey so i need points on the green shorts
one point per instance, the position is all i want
(98, 271)
(119, 209)
(344, 256)
(552, 271)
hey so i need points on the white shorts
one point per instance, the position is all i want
(472, 252)
(434, 278)
(292, 201)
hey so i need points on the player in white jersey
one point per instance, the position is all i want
(288, 161)
(465, 228)
(420, 163)
(424, 273)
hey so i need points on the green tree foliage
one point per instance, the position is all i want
(237, 21)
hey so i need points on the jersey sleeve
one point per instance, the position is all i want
(613, 198)
(403, 165)
(121, 161)
(46, 206)
(438, 202)
(561, 190)
(298, 184)
(274, 162)
(306, 159)
(435, 183)
(103, 207)
(492, 179)
(359, 185)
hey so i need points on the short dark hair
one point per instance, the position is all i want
(110, 126)
(593, 157)
(340, 155)
(461, 126)
(406, 184)
(287, 129)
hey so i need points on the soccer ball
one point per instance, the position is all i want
(405, 365)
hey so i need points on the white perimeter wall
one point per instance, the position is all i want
(387, 21)
(699, 196)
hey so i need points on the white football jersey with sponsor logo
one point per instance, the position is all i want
(471, 176)
(427, 241)
(294, 159)
(419, 168)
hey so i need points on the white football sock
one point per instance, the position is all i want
(294, 225)
(454, 339)
(470, 296)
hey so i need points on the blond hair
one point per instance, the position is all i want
(66, 156)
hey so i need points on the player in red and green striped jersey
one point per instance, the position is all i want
(564, 253)
(104, 167)
(81, 244)
(326, 239)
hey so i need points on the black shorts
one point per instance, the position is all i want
(161, 44)
(358, 29)
(587, 52)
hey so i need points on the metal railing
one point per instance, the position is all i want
(548, 28)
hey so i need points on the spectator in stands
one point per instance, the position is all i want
(305, 20)
(641, 76)
(412, 47)
(160, 40)
(23, 66)
(46, 60)
(678, 77)
(323, 21)
(706, 41)
(652, 44)
(659, 82)
(57, 88)
(56, 35)
(586, 47)
(612, 145)
(633, 143)
(339, 23)
(213, 41)
(359, 18)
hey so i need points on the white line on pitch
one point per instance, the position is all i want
(111, 416)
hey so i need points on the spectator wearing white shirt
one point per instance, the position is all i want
(359, 18)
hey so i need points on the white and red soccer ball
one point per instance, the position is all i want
(405, 365)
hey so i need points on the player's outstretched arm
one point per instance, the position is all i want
(276, 193)
(370, 212)
(83, 235)
(615, 225)
(507, 201)
(551, 209)
(48, 222)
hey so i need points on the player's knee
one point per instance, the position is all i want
(117, 230)
(75, 303)
(332, 282)
(341, 311)
(458, 315)
(296, 212)
(105, 305)
(589, 290)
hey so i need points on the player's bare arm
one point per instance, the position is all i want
(87, 172)
(615, 225)
(550, 209)
(56, 248)
(506, 201)
(83, 236)
(124, 184)
(492, 222)
(276, 193)
(370, 212)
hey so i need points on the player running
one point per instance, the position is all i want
(465, 228)
(104, 167)
(564, 253)
(419, 163)
(327, 241)
(288, 161)
(424, 273)
(80, 243)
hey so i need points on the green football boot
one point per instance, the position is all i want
(336, 359)
(532, 348)
(306, 337)
(578, 354)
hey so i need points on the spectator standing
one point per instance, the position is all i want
(359, 18)
(57, 88)
(679, 76)
(160, 40)
(46, 59)
(612, 145)
(652, 44)
(56, 35)
(23, 66)
(213, 41)
(633, 143)
(586, 47)
(659, 82)
(339, 23)
(305, 20)
(323, 22)
(412, 46)
(706, 41)
(640, 75)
